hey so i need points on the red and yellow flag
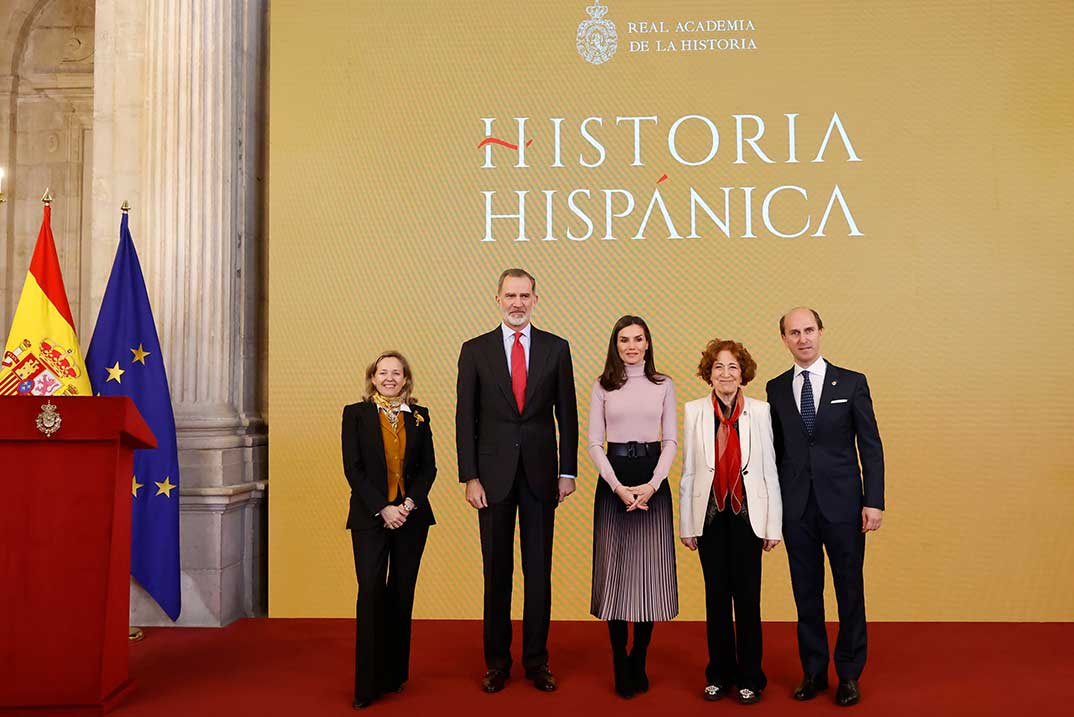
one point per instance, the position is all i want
(42, 357)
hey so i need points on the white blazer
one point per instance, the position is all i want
(759, 477)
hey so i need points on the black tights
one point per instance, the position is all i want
(643, 634)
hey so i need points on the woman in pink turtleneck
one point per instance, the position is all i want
(633, 409)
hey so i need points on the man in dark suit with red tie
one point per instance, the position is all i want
(823, 422)
(516, 384)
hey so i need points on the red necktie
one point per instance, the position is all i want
(518, 371)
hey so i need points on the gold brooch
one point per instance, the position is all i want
(418, 418)
(48, 421)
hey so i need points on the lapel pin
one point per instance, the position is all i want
(834, 382)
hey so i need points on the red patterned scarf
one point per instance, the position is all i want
(728, 481)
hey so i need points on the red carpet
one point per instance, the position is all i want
(305, 667)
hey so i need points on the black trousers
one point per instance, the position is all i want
(806, 540)
(730, 556)
(386, 563)
(536, 520)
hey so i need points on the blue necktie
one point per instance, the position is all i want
(809, 411)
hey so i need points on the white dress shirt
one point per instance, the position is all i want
(816, 381)
(509, 344)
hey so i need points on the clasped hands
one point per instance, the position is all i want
(635, 497)
(395, 515)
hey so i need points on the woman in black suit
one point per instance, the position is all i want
(389, 462)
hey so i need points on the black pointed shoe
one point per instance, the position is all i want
(714, 692)
(810, 686)
(542, 678)
(848, 693)
(494, 681)
(746, 696)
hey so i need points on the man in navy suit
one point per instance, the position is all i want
(823, 423)
(515, 388)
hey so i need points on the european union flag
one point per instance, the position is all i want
(124, 359)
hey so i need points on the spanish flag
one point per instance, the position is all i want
(42, 357)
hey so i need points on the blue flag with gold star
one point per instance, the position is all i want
(124, 359)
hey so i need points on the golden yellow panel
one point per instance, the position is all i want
(921, 150)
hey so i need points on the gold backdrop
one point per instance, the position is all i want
(943, 268)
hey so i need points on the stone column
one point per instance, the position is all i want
(118, 137)
(198, 231)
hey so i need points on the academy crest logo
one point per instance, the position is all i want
(597, 39)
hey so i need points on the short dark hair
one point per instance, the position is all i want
(820, 323)
(517, 274)
(708, 358)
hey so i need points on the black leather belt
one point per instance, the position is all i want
(633, 449)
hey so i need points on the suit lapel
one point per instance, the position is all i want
(372, 415)
(409, 429)
(744, 433)
(708, 427)
(497, 358)
(831, 379)
(538, 359)
(787, 393)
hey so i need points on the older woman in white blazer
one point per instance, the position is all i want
(730, 511)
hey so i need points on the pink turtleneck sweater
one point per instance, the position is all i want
(639, 410)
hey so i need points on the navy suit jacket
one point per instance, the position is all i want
(829, 457)
(492, 436)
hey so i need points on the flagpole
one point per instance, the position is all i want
(46, 198)
(134, 634)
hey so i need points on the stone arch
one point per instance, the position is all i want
(46, 113)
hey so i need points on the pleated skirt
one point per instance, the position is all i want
(634, 575)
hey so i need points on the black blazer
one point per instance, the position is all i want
(829, 456)
(367, 470)
(490, 434)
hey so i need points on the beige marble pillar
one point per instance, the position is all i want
(185, 81)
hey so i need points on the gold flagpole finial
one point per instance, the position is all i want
(126, 207)
(46, 197)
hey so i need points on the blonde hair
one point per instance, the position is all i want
(408, 377)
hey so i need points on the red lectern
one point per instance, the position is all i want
(65, 524)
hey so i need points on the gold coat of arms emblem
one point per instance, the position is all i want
(48, 421)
